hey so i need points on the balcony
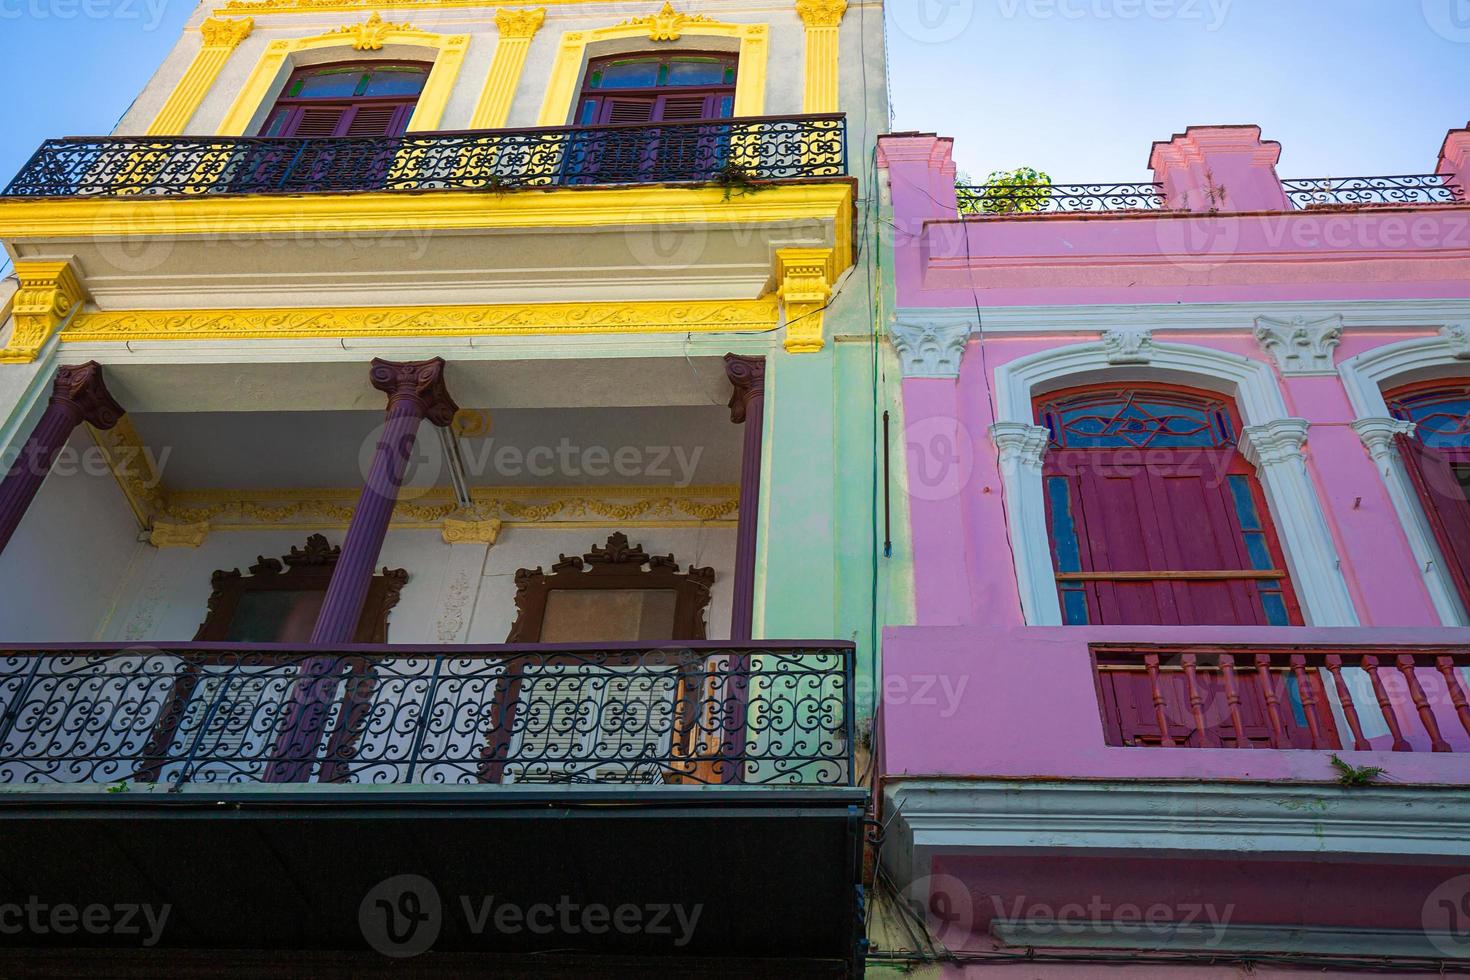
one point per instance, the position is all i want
(734, 153)
(672, 776)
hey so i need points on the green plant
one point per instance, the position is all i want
(118, 787)
(1006, 192)
(733, 177)
(1351, 775)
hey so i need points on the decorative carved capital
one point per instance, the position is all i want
(1128, 346)
(520, 23)
(805, 276)
(1378, 435)
(165, 534)
(748, 376)
(372, 34)
(1274, 442)
(81, 387)
(418, 381)
(1457, 336)
(458, 530)
(1300, 346)
(48, 292)
(221, 33)
(666, 25)
(821, 13)
(931, 348)
(1020, 443)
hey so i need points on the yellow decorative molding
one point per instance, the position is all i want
(47, 294)
(806, 276)
(436, 508)
(220, 37)
(167, 534)
(666, 25)
(697, 316)
(133, 469)
(310, 6)
(359, 214)
(822, 19)
(517, 28)
(458, 530)
(571, 56)
(373, 35)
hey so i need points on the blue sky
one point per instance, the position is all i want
(1078, 88)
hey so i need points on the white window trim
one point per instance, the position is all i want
(1365, 376)
(1271, 440)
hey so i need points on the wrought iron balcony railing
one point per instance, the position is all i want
(760, 713)
(731, 152)
(1264, 697)
(1007, 199)
(1405, 189)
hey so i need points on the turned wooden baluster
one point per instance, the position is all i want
(1151, 662)
(1426, 713)
(1349, 710)
(1307, 692)
(1456, 685)
(1273, 711)
(1232, 698)
(1370, 664)
(1207, 738)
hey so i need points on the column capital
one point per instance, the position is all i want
(748, 376)
(1378, 434)
(1300, 346)
(931, 347)
(821, 13)
(49, 291)
(219, 32)
(421, 382)
(520, 23)
(1020, 443)
(1274, 442)
(805, 276)
(81, 388)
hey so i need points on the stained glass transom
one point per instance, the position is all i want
(1137, 419)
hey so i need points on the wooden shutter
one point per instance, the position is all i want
(378, 120)
(1444, 505)
(628, 111)
(684, 108)
(317, 121)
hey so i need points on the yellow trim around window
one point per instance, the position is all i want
(571, 56)
(275, 63)
(219, 38)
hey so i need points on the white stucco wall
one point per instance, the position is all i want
(64, 569)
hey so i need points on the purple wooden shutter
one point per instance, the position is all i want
(1445, 506)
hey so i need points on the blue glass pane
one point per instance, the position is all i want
(697, 73)
(629, 74)
(334, 83)
(1443, 417)
(1294, 695)
(395, 81)
(1245, 503)
(1136, 420)
(589, 112)
(1275, 606)
(1074, 607)
(1064, 529)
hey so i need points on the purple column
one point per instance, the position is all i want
(747, 403)
(415, 391)
(748, 377)
(78, 395)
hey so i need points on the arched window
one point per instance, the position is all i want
(374, 98)
(643, 88)
(1437, 457)
(1154, 515)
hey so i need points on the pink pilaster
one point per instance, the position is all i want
(1386, 583)
(1454, 160)
(921, 176)
(938, 454)
(1219, 168)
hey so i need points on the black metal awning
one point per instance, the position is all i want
(505, 880)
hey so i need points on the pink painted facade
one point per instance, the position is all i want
(993, 743)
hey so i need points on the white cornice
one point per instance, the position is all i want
(1428, 314)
